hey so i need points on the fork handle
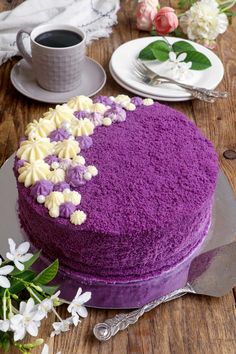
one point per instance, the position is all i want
(109, 328)
(202, 91)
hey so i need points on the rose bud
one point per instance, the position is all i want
(146, 12)
(166, 21)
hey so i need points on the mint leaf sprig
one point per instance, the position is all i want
(160, 49)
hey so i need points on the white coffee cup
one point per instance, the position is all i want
(56, 69)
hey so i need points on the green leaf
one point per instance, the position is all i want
(146, 53)
(199, 60)
(47, 274)
(27, 264)
(160, 50)
(17, 285)
(49, 290)
(155, 50)
(182, 46)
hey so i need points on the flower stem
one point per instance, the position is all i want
(4, 303)
(167, 42)
(57, 314)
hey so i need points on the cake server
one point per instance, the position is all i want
(212, 273)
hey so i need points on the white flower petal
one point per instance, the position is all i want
(29, 306)
(172, 56)
(32, 329)
(79, 291)
(23, 248)
(82, 311)
(4, 282)
(12, 245)
(16, 320)
(22, 307)
(6, 270)
(76, 320)
(39, 316)
(4, 325)
(84, 297)
(19, 265)
(182, 57)
(189, 64)
(25, 257)
(10, 256)
(19, 334)
(0, 261)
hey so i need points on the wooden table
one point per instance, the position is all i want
(193, 324)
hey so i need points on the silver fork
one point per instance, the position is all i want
(152, 78)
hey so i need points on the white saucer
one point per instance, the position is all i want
(93, 80)
(144, 94)
(123, 69)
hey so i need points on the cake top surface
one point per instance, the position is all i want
(116, 164)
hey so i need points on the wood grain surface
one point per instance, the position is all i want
(192, 324)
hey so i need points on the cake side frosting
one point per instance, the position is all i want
(147, 208)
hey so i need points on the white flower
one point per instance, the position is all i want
(46, 305)
(76, 307)
(19, 255)
(27, 321)
(4, 282)
(46, 350)
(203, 21)
(178, 68)
(62, 326)
(4, 325)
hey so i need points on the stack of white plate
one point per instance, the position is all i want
(122, 70)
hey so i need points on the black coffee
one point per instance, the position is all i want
(58, 38)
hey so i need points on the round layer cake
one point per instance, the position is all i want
(144, 178)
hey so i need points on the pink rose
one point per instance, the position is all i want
(166, 21)
(146, 12)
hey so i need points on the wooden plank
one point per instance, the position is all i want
(190, 324)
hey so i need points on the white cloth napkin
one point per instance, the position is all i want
(95, 17)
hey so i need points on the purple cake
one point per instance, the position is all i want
(132, 202)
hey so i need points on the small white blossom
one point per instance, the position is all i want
(178, 67)
(46, 305)
(5, 270)
(19, 255)
(76, 307)
(27, 321)
(4, 325)
(203, 21)
(62, 326)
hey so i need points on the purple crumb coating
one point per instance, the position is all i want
(74, 175)
(50, 159)
(137, 101)
(85, 142)
(116, 113)
(103, 99)
(147, 209)
(59, 134)
(19, 164)
(42, 187)
(81, 114)
(96, 118)
(61, 186)
(66, 209)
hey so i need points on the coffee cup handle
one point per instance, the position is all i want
(20, 44)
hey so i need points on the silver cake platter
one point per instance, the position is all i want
(222, 230)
